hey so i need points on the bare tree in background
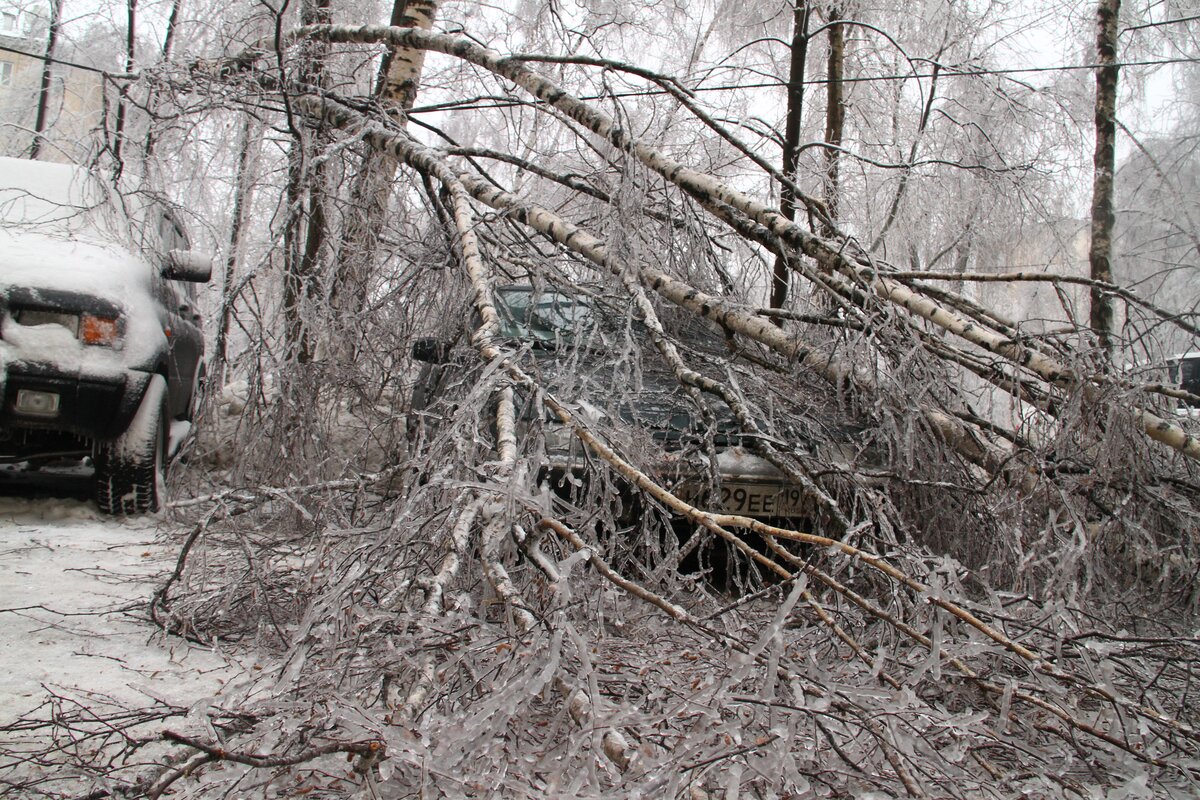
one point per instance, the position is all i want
(791, 138)
(395, 91)
(152, 99)
(118, 135)
(306, 234)
(1104, 169)
(835, 108)
(39, 124)
(243, 198)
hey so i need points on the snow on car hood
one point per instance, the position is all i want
(91, 263)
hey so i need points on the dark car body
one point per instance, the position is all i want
(1183, 370)
(583, 356)
(97, 298)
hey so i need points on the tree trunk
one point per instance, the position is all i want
(396, 88)
(130, 56)
(152, 100)
(894, 210)
(242, 199)
(1103, 216)
(791, 139)
(39, 125)
(400, 69)
(835, 111)
(305, 235)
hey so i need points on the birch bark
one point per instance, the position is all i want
(396, 91)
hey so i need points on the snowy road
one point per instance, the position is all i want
(73, 589)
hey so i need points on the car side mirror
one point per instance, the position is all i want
(431, 351)
(188, 265)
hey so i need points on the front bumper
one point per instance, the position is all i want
(746, 485)
(80, 409)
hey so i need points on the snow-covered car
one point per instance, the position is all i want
(579, 351)
(100, 339)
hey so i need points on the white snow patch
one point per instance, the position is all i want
(177, 435)
(73, 594)
(236, 395)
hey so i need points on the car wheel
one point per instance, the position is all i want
(130, 470)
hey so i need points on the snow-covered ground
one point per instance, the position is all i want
(73, 593)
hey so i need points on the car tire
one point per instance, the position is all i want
(131, 469)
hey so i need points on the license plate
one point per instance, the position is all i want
(761, 500)
(752, 499)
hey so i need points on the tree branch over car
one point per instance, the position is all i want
(540, 482)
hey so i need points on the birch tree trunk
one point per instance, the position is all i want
(400, 69)
(396, 89)
(1103, 217)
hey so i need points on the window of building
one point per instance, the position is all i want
(8, 22)
(6, 71)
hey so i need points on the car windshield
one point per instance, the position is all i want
(543, 317)
(1185, 373)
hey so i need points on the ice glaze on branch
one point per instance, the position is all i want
(717, 309)
(831, 256)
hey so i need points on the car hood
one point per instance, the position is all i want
(91, 264)
(39, 268)
(649, 399)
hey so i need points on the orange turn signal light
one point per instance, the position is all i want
(98, 330)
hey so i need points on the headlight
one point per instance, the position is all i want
(36, 404)
(93, 329)
(33, 317)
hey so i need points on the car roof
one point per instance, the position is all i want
(41, 191)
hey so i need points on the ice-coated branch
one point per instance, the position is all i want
(831, 256)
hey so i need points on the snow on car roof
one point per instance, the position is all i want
(40, 192)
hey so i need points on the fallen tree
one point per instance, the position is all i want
(979, 602)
